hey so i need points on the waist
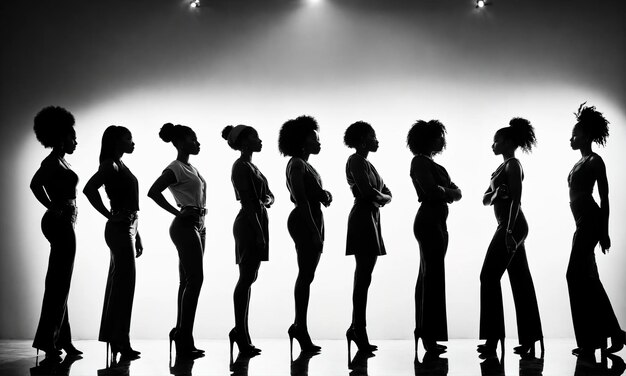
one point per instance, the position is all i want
(64, 203)
(128, 214)
(195, 210)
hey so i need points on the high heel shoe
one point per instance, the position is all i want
(429, 345)
(359, 337)
(245, 348)
(125, 350)
(490, 346)
(617, 343)
(303, 338)
(184, 345)
(529, 348)
(70, 350)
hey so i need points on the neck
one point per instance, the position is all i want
(57, 152)
(362, 152)
(304, 156)
(585, 151)
(246, 155)
(183, 157)
(508, 155)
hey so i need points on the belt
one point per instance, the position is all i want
(197, 210)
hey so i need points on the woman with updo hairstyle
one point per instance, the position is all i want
(298, 139)
(365, 238)
(54, 185)
(592, 313)
(187, 230)
(435, 190)
(120, 234)
(506, 251)
(250, 228)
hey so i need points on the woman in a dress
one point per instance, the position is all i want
(592, 313)
(298, 139)
(120, 234)
(250, 228)
(54, 185)
(435, 190)
(506, 251)
(187, 230)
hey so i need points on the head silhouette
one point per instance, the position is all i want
(520, 133)
(181, 136)
(54, 128)
(361, 135)
(426, 137)
(242, 138)
(298, 137)
(591, 125)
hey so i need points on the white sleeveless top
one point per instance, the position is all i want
(190, 187)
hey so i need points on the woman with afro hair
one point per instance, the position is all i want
(435, 190)
(250, 228)
(506, 251)
(298, 139)
(592, 313)
(54, 185)
(364, 239)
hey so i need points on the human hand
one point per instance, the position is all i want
(605, 243)
(329, 198)
(138, 246)
(502, 192)
(509, 241)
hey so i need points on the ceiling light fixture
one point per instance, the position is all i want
(482, 3)
(194, 4)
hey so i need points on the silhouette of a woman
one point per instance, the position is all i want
(120, 233)
(54, 185)
(364, 239)
(187, 230)
(434, 190)
(592, 313)
(250, 228)
(506, 250)
(298, 139)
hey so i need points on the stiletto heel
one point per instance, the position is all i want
(617, 343)
(125, 350)
(303, 338)
(360, 339)
(71, 350)
(529, 348)
(490, 346)
(244, 347)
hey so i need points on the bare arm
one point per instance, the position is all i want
(155, 192)
(453, 193)
(37, 186)
(93, 185)
(357, 169)
(513, 173)
(603, 192)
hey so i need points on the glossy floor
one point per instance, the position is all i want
(393, 358)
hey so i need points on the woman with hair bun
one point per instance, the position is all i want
(435, 190)
(298, 139)
(120, 234)
(592, 313)
(187, 230)
(506, 251)
(250, 228)
(364, 238)
(54, 185)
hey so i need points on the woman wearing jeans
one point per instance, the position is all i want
(187, 230)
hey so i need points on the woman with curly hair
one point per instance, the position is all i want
(506, 251)
(54, 185)
(187, 230)
(250, 228)
(364, 239)
(121, 236)
(435, 190)
(298, 139)
(592, 313)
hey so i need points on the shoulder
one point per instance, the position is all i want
(357, 161)
(296, 164)
(108, 166)
(420, 161)
(513, 166)
(50, 162)
(596, 162)
(240, 166)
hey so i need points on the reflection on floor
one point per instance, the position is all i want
(392, 358)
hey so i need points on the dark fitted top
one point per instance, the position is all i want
(426, 176)
(582, 178)
(502, 206)
(312, 183)
(121, 186)
(62, 181)
(250, 184)
(363, 179)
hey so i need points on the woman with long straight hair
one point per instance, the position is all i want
(435, 190)
(592, 313)
(507, 251)
(54, 185)
(187, 230)
(121, 236)
(298, 139)
(250, 229)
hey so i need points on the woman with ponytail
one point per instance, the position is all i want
(506, 251)
(592, 313)
(250, 228)
(187, 230)
(120, 234)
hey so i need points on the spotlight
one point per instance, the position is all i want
(195, 4)
(481, 4)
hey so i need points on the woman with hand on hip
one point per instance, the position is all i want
(592, 313)
(121, 236)
(506, 251)
(54, 185)
(250, 228)
(298, 139)
(435, 190)
(364, 238)
(187, 230)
